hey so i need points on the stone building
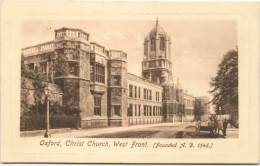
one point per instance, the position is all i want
(95, 79)
(189, 107)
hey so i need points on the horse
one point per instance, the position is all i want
(220, 125)
(212, 126)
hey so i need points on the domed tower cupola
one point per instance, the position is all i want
(157, 32)
(157, 66)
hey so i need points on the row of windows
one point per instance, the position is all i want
(42, 67)
(135, 92)
(135, 110)
(147, 94)
(152, 111)
(97, 73)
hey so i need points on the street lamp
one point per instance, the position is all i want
(46, 91)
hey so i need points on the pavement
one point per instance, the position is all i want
(94, 132)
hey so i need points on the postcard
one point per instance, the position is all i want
(129, 82)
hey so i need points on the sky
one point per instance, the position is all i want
(197, 46)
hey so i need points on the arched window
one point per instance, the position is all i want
(153, 44)
(145, 49)
(162, 43)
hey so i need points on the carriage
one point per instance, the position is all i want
(213, 125)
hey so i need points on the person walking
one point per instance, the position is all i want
(225, 123)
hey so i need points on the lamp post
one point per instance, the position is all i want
(46, 91)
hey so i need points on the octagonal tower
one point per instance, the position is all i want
(157, 65)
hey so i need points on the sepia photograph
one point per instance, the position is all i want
(109, 79)
(130, 82)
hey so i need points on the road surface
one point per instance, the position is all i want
(170, 131)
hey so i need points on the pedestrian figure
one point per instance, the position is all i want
(198, 124)
(225, 124)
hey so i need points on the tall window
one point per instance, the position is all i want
(130, 90)
(135, 92)
(157, 96)
(130, 110)
(153, 44)
(36, 68)
(139, 110)
(145, 49)
(162, 43)
(136, 110)
(43, 67)
(100, 73)
(117, 110)
(139, 92)
(150, 95)
(144, 93)
(92, 75)
(97, 105)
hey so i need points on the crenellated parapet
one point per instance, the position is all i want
(38, 49)
(71, 34)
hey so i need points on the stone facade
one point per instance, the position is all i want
(95, 79)
(189, 107)
(144, 101)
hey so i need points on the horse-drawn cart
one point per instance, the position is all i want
(213, 125)
(206, 126)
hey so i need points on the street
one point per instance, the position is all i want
(160, 130)
(165, 131)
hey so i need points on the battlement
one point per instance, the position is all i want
(117, 55)
(71, 34)
(38, 49)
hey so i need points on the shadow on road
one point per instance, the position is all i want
(190, 132)
(129, 134)
(182, 131)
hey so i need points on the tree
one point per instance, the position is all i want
(38, 86)
(225, 84)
